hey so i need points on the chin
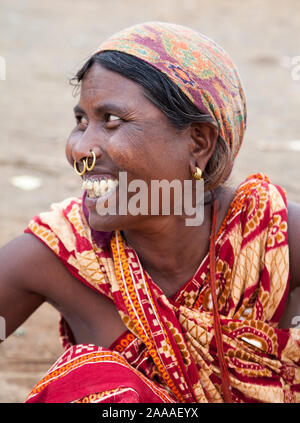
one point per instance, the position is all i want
(103, 223)
(111, 223)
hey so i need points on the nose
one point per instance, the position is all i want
(83, 147)
(80, 153)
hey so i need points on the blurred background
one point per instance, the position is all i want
(44, 43)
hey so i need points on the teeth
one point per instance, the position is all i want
(103, 187)
(91, 193)
(98, 188)
(89, 184)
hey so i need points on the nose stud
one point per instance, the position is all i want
(86, 166)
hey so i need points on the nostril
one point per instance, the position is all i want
(83, 159)
(79, 154)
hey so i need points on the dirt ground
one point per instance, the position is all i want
(43, 44)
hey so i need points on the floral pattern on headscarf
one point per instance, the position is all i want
(195, 63)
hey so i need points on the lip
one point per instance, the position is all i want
(91, 203)
(98, 173)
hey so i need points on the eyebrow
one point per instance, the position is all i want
(99, 108)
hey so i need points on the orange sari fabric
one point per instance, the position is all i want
(170, 345)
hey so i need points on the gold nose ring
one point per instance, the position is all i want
(89, 168)
(86, 166)
(83, 170)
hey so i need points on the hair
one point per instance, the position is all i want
(170, 99)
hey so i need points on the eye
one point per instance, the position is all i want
(82, 121)
(111, 118)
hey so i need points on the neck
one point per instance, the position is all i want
(170, 251)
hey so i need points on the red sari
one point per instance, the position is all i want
(169, 352)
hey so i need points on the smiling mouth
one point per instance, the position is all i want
(99, 185)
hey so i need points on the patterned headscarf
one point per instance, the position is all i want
(201, 68)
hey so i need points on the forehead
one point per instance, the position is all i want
(100, 84)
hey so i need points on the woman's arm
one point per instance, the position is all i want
(28, 272)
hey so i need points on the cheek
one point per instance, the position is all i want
(126, 148)
(149, 153)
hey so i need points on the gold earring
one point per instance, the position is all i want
(83, 170)
(198, 174)
(89, 168)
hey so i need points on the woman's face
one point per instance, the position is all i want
(128, 134)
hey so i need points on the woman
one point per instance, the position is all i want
(154, 310)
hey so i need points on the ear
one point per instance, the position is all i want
(203, 143)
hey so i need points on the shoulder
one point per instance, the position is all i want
(260, 197)
(294, 242)
(30, 265)
(258, 204)
(59, 227)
